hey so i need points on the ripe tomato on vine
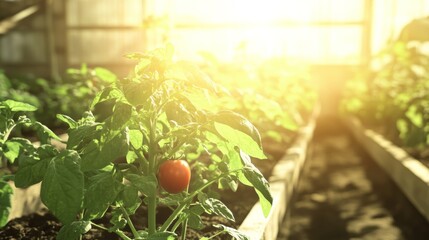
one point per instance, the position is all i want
(174, 175)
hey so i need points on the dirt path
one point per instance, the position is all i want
(343, 195)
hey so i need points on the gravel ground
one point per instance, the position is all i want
(344, 195)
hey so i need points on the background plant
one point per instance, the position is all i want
(395, 96)
(12, 148)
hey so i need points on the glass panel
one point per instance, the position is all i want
(98, 46)
(243, 11)
(312, 44)
(105, 13)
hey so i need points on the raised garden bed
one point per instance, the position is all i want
(283, 183)
(411, 176)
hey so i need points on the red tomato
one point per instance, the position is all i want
(174, 175)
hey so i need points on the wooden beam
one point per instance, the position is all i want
(9, 23)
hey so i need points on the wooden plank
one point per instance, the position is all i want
(9, 23)
(409, 174)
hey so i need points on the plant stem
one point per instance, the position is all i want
(130, 223)
(118, 232)
(189, 198)
(184, 228)
(176, 225)
(8, 132)
(216, 234)
(151, 158)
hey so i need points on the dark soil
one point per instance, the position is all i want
(344, 195)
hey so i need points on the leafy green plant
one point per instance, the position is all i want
(394, 98)
(71, 95)
(137, 125)
(13, 147)
(275, 95)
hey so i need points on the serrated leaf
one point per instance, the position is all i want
(136, 138)
(105, 75)
(31, 169)
(240, 139)
(5, 202)
(136, 93)
(79, 134)
(232, 232)
(44, 133)
(261, 186)
(147, 185)
(212, 205)
(97, 155)
(11, 150)
(238, 122)
(66, 119)
(16, 106)
(74, 230)
(62, 186)
(103, 184)
(195, 221)
(130, 199)
(117, 220)
(121, 115)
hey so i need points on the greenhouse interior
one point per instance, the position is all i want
(214, 119)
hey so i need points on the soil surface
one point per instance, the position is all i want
(344, 195)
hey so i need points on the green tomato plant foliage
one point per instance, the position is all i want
(14, 149)
(275, 95)
(114, 152)
(394, 98)
(68, 95)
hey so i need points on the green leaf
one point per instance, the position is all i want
(232, 232)
(45, 133)
(16, 106)
(117, 220)
(121, 115)
(261, 186)
(5, 204)
(240, 139)
(238, 122)
(147, 185)
(32, 169)
(137, 93)
(62, 186)
(136, 138)
(66, 119)
(103, 184)
(105, 75)
(104, 109)
(97, 155)
(11, 150)
(195, 221)
(80, 134)
(212, 205)
(130, 199)
(74, 230)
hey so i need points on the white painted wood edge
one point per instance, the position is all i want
(409, 174)
(283, 182)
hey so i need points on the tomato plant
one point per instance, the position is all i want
(174, 175)
(394, 97)
(16, 148)
(275, 95)
(152, 116)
